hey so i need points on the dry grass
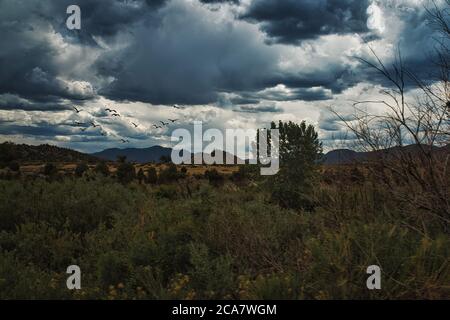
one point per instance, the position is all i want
(36, 168)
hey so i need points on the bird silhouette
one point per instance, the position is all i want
(77, 110)
(157, 127)
(103, 133)
(83, 129)
(111, 110)
(124, 141)
(172, 120)
(116, 115)
(176, 107)
(95, 125)
(78, 123)
(164, 123)
(134, 124)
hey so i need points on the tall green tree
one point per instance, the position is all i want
(300, 151)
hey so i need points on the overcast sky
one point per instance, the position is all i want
(231, 64)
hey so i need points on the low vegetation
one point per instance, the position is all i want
(173, 235)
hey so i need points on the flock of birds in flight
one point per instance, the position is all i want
(114, 113)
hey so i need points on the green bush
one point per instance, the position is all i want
(214, 177)
(152, 176)
(50, 169)
(80, 169)
(102, 168)
(113, 268)
(141, 176)
(14, 166)
(21, 281)
(212, 277)
(169, 174)
(167, 192)
(245, 173)
(125, 172)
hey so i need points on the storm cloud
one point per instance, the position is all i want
(292, 21)
(262, 58)
(189, 59)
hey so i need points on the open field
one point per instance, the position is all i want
(69, 168)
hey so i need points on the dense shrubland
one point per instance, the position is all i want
(209, 237)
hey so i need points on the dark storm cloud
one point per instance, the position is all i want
(28, 58)
(413, 37)
(70, 128)
(47, 130)
(313, 93)
(419, 41)
(14, 102)
(292, 21)
(101, 17)
(188, 60)
(241, 100)
(38, 83)
(220, 1)
(310, 94)
(31, 60)
(334, 76)
(177, 54)
(106, 17)
(38, 129)
(260, 108)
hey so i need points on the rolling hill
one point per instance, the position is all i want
(151, 154)
(347, 156)
(142, 155)
(43, 153)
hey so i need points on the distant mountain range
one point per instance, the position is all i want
(347, 156)
(151, 154)
(335, 157)
(48, 153)
(343, 156)
(154, 154)
(140, 155)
